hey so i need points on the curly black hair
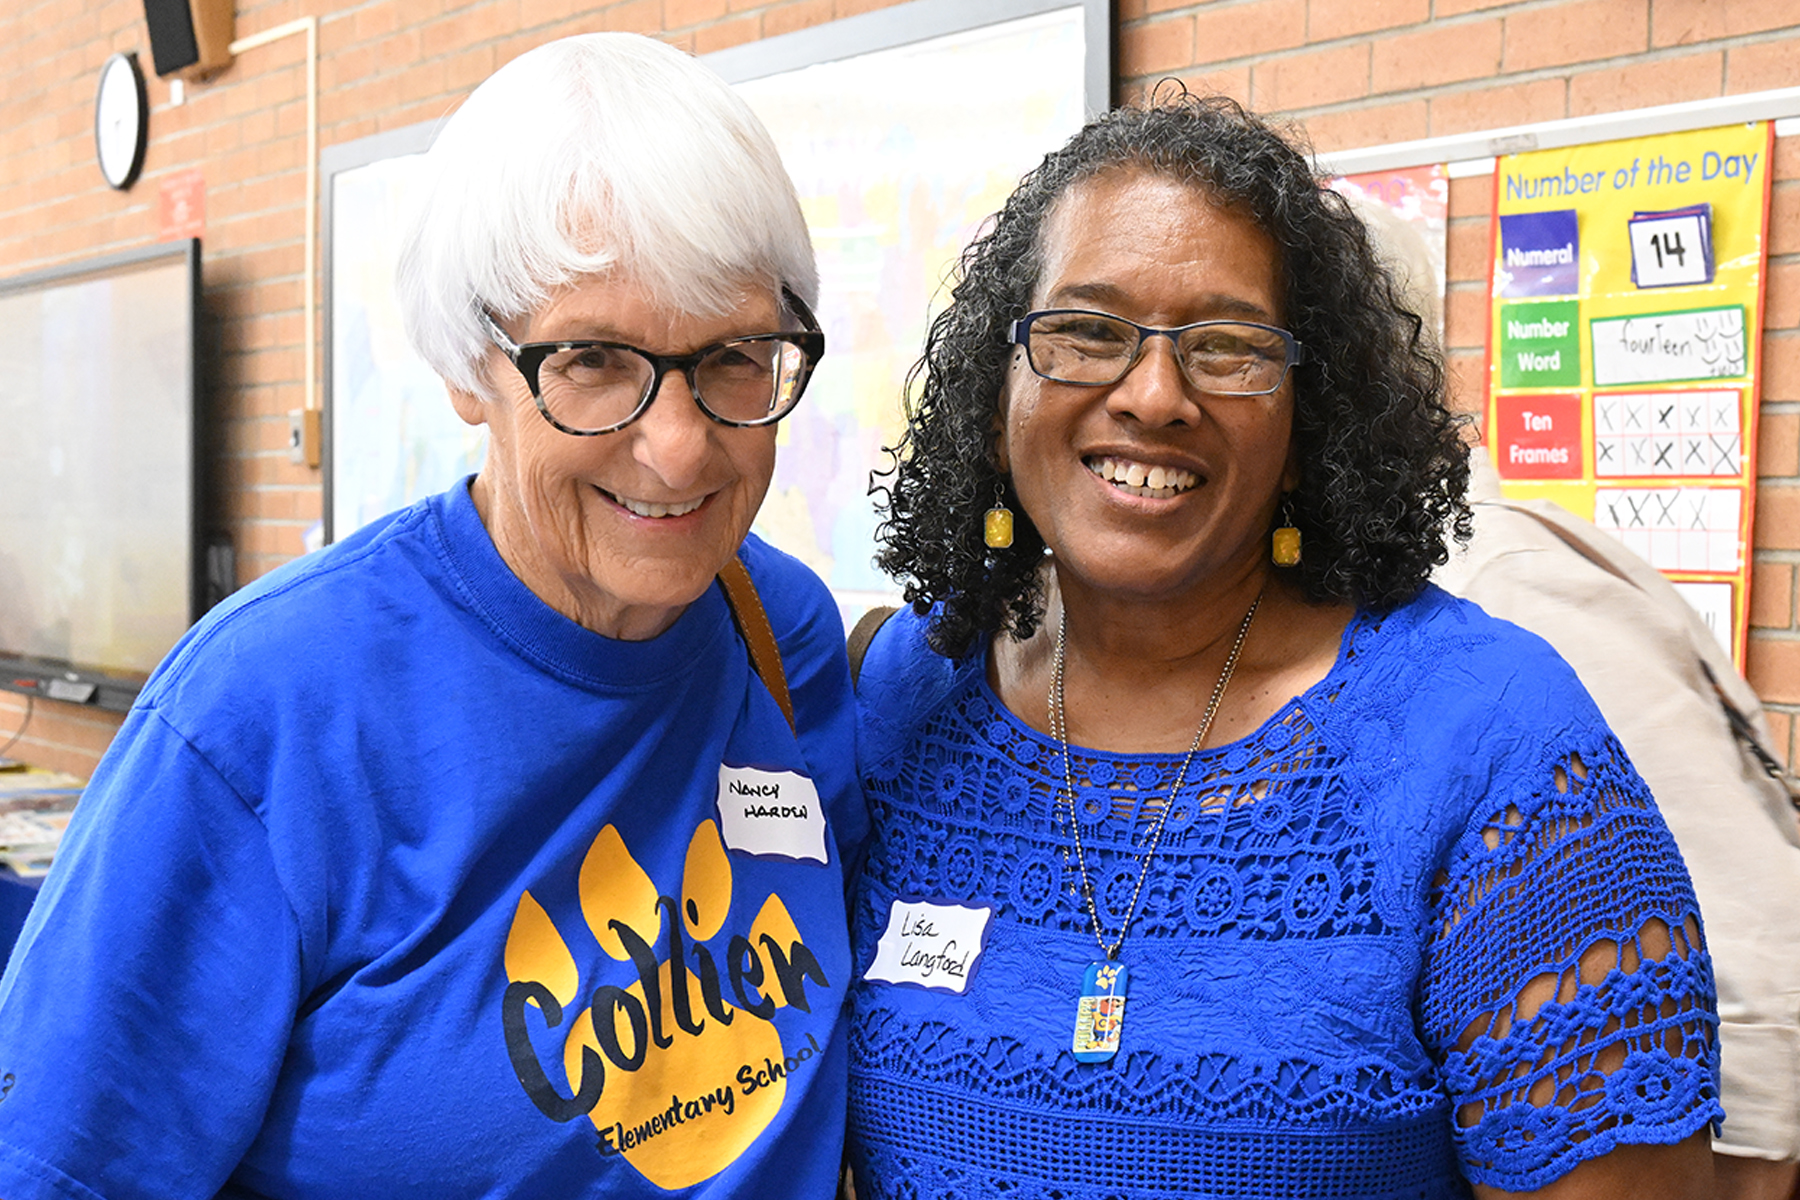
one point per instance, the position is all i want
(1383, 467)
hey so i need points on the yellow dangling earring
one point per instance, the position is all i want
(997, 524)
(1285, 549)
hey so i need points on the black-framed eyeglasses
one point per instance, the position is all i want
(1092, 349)
(588, 388)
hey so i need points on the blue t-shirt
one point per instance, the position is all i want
(1424, 926)
(396, 883)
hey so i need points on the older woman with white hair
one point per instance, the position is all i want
(499, 849)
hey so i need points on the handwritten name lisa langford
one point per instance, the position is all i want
(618, 1138)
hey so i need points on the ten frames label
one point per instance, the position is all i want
(1538, 437)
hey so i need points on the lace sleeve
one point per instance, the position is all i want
(1567, 993)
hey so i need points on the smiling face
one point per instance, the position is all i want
(1148, 487)
(621, 531)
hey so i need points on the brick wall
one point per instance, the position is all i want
(1355, 72)
(1775, 635)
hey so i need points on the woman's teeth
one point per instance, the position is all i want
(1140, 480)
(642, 509)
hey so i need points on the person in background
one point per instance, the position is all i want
(480, 855)
(1216, 853)
(1667, 688)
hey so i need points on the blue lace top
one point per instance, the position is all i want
(1424, 927)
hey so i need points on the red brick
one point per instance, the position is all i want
(1442, 54)
(1293, 82)
(1781, 302)
(374, 20)
(1778, 445)
(1781, 368)
(1785, 162)
(849, 8)
(1468, 250)
(1224, 33)
(1327, 19)
(462, 72)
(1467, 381)
(788, 17)
(1499, 106)
(1471, 196)
(1222, 81)
(1775, 669)
(1772, 595)
(1761, 67)
(1777, 518)
(1373, 126)
(725, 34)
(444, 35)
(680, 14)
(549, 19)
(1684, 22)
(1645, 84)
(1466, 318)
(643, 16)
(1582, 31)
(1156, 46)
(1781, 736)
(1784, 208)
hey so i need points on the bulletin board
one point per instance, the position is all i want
(904, 129)
(1407, 212)
(1625, 324)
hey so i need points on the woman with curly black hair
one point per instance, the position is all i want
(1218, 854)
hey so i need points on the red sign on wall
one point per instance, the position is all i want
(1538, 436)
(181, 205)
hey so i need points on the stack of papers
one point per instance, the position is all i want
(34, 811)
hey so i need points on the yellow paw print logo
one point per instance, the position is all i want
(682, 1069)
(1105, 977)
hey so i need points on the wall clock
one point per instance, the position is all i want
(121, 120)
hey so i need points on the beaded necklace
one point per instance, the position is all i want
(1100, 1010)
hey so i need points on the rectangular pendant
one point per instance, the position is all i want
(1100, 1014)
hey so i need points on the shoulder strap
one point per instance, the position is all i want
(753, 623)
(867, 626)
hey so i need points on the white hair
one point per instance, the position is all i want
(600, 153)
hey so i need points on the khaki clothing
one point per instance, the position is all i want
(1638, 648)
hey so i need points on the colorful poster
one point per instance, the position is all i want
(895, 158)
(1407, 213)
(1625, 320)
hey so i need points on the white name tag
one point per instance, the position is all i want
(930, 945)
(771, 813)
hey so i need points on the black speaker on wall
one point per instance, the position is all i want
(190, 38)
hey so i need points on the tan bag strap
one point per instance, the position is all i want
(866, 628)
(753, 623)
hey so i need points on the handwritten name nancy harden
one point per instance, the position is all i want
(737, 788)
